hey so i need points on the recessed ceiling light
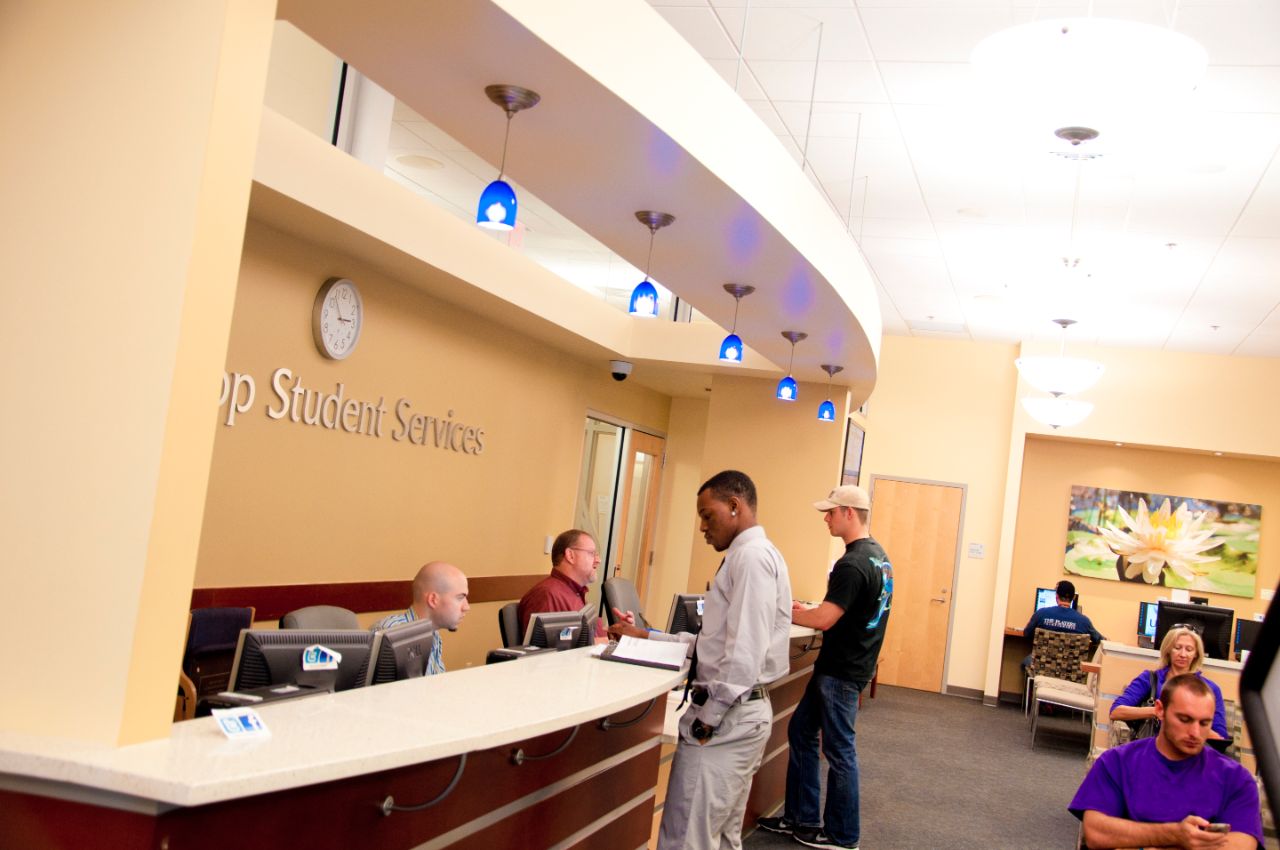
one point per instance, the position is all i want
(1119, 444)
(1217, 454)
(417, 160)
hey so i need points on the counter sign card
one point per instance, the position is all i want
(317, 657)
(240, 724)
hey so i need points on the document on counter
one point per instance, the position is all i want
(669, 655)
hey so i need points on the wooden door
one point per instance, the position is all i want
(919, 526)
(641, 475)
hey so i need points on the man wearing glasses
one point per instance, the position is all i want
(575, 560)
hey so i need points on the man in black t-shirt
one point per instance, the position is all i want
(853, 617)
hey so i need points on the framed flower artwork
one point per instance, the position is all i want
(1172, 541)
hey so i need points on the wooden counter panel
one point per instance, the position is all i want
(36, 823)
(621, 831)
(555, 819)
(768, 789)
(788, 694)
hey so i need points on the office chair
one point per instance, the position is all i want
(320, 617)
(620, 593)
(1057, 676)
(212, 634)
(509, 624)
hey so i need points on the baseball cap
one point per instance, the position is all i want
(845, 496)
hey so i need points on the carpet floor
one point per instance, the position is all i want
(946, 772)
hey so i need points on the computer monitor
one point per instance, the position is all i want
(1246, 634)
(302, 657)
(686, 613)
(1046, 596)
(1147, 619)
(1213, 625)
(1260, 701)
(402, 652)
(561, 629)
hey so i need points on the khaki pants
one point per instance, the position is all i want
(707, 792)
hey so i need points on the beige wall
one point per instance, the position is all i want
(794, 460)
(1052, 466)
(941, 412)
(123, 262)
(290, 503)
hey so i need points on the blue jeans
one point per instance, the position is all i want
(829, 705)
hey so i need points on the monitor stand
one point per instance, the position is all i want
(1146, 643)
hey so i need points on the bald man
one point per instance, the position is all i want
(439, 597)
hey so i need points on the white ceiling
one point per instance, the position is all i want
(965, 221)
(963, 217)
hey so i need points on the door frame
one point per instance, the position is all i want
(955, 566)
(624, 452)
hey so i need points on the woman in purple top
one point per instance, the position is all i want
(1181, 651)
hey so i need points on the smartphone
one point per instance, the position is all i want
(1218, 827)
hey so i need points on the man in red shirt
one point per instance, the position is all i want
(575, 560)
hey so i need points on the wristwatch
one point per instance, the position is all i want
(701, 731)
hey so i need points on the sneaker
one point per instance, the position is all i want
(780, 825)
(810, 837)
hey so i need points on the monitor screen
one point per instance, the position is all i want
(402, 652)
(1147, 619)
(1046, 596)
(1213, 625)
(1246, 634)
(686, 613)
(302, 657)
(560, 629)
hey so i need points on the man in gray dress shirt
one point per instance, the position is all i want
(743, 646)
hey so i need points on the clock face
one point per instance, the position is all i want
(337, 318)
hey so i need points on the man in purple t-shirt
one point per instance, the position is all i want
(1169, 791)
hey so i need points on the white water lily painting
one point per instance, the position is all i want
(1174, 541)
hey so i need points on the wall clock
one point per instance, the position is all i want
(337, 318)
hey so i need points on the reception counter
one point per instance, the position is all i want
(513, 741)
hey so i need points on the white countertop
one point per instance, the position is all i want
(323, 738)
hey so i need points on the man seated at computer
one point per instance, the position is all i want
(575, 561)
(440, 596)
(1061, 617)
(1170, 790)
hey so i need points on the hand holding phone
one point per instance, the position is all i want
(1218, 827)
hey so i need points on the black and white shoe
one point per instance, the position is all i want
(780, 825)
(810, 837)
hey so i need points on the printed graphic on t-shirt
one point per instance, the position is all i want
(886, 591)
(1061, 625)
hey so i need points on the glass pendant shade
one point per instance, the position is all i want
(497, 209)
(644, 300)
(1059, 375)
(731, 349)
(787, 389)
(1091, 72)
(827, 411)
(1057, 412)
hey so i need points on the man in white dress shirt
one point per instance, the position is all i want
(743, 646)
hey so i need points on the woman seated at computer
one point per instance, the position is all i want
(1181, 651)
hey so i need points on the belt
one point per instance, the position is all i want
(699, 694)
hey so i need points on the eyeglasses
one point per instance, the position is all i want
(592, 552)
(1191, 627)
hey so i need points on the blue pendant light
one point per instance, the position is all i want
(827, 410)
(787, 389)
(497, 207)
(731, 348)
(644, 298)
